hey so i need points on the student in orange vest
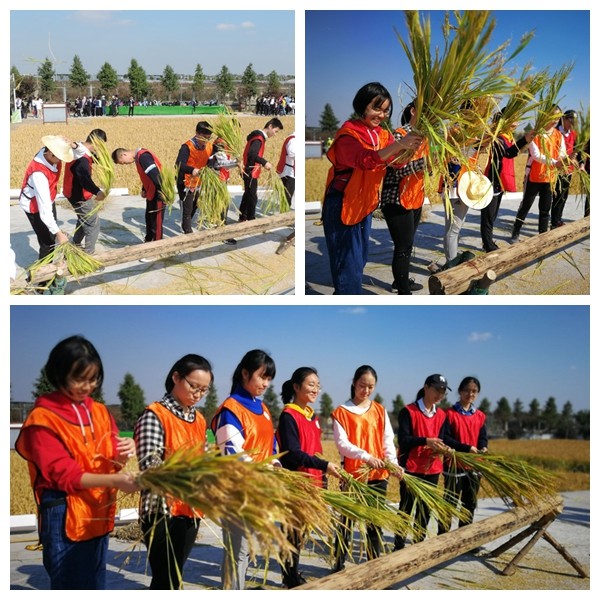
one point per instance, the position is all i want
(420, 447)
(299, 437)
(243, 424)
(254, 161)
(169, 526)
(363, 436)
(148, 167)
(83, 194)
(465, 424)
(286, 167)
(500, 171)
(359, 155)
(402, 198)
(547, 154)
(75, 456)
(560, 193)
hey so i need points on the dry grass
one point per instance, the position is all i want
(21, 498)
(161, 135)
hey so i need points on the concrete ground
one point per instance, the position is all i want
(563, 272)
(250, 267)
(543, 568)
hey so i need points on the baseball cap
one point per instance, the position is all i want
(438, 381)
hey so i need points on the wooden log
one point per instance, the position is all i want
(380, 573)
(510, 258)
(180, 243)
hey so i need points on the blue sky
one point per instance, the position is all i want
(521, 352)
(346, 49)
(181, 39)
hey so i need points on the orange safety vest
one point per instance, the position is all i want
(411, 191)
(549, 145)
(365, 431)
(180, 434)
(361, 194)
(147, 183)
(52, 177)
(256, 167)
(283, 156)
(90, 512)
(68, 180)
(198, 158)
(258, 431)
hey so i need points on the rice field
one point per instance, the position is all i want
(568, 459)
(162, 135)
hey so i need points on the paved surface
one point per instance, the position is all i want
(250, 267)
(564, 272)
(542, 569)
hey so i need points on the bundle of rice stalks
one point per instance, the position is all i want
(104, 167)
(512, 479)
(240, 493)
(580, 177)
(583, 130)
(229, 130)
(547, 108)
(77, 260)
(446, 81)
(167, 178)
(213, 199)
(275, 198)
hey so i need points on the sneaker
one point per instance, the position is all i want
(514, 239)
(145, 260)
(492, 248)
(230, 242)
(414, 286)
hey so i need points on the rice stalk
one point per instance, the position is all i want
(583, 131)
(228, 129)
(275, 196)
(514, 480)
(104, 167)
(167, 178)
(213, 199)
(547, 108)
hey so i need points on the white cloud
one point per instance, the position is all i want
(479, 336)
(248, 25)
(355, 310)
(225, 26)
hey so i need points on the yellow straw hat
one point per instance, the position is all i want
(59, 146)
(475, 189)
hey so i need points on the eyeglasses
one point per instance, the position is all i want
(196, 389)
(313, 386)
(79, 383)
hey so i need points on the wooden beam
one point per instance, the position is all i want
(184, 242)
(387, 570)
(508, 259)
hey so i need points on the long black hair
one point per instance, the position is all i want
(362, 370)
(184, 366)
(251, 362)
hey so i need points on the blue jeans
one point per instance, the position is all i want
(347, 246)
(70, 565)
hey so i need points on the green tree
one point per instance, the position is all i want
(273, 84)
(325, 406)
(379, 399)
(224, 81)
(211, 403)
(518, 412)
(169, 81)
(79, 78)
(249, 85)
(582, 419)
(533, 417)
(328, 122)
(503, 412)
(566, 427)
(271, 399)
(46, 74)
(108, 78)
(41, 386)
(485, 407)
(198, 82)
(132, 401)
(138, 80)
(398, 404)
(550, 414)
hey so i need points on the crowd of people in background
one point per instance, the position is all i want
(275, 105)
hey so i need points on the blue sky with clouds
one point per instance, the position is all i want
(346, 49)
(520, 352)
(155, 38)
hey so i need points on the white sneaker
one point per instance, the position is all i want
(145, 260)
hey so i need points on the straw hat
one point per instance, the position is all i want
(59, 146)
(475, 189)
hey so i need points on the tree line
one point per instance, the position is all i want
(504, 420)
(226, 83)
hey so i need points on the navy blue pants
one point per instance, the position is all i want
(347, 245)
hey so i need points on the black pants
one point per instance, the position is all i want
(289, 183)
(532, 189)
(289, 568)
(342, 542)
(463, 486)
(169, 541)
(188, 210)
(155, 211)
(249, 199)
(489, 215)
(402, 224)
(422, 513)
(559, 199)
(45, 239)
